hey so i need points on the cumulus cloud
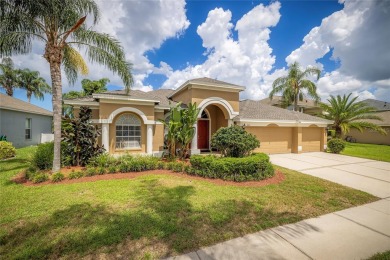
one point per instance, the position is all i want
(359, 37)
(246, 61)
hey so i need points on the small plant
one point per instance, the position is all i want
(7, 150)
(112, 169)
(170, 166)
(336, 145)
(57, 177)
(234, 141)
(161, 165)
(3, 138)
(40, 177)
(43, 158)
(101, 170)
(75, 175)
(178, 167)
(91, 171)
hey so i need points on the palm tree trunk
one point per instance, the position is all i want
(29, 96)
(55, 71)
(296, 102)
(9, 90)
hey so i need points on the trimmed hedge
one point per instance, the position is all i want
(336, 145)
(43, 157)
(250, 168)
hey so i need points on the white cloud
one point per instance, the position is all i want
(246, 61)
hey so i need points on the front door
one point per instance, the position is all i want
(203, 134)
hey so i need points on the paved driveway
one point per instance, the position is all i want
(362, 174)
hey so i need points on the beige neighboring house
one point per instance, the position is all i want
(307, 106)
(130, 123)
(372, 137)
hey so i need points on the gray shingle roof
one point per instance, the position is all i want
(206, 80)
(385, 115)
(251, 109)
(377, 104)
(276, 100)
(11, 103)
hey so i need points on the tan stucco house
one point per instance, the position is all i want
(130, 123)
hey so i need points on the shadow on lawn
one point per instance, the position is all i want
(164, 223)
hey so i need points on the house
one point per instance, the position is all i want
(307, 106)
(372, 137)
(22, 122)
(130, 123)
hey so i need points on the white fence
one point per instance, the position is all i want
(47, 138)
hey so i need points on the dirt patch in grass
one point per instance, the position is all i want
(277, 178)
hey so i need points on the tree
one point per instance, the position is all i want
(347, 114)
(188, 117)
(94, 86)
(8, 76)
(33, 84)
(294, 84)
(173, 125)
(60, 25)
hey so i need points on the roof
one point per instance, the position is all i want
(385, 115)
(210, 83)
(251, 109)
(377, 104)
(11, 103)
(277, 100)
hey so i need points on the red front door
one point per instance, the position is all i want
(203, 134)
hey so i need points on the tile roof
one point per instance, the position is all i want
(276, 100)
(377, 104)
(251, 109)
(11, 103)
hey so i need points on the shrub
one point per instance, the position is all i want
(43, 158)
(7, 150)
(336, 145)
(129, 163)
(103, 160)
(161, 165)
(178, 167)
(112, 169)
(40, 177)
(91, 171)
(56, 177)
(75, 175)
(234, 141)
(254, 167)
(101, 170)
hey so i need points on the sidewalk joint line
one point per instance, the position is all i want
(300, 250)
(361, 224)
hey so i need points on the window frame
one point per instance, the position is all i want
(134, 125)
(28, 127)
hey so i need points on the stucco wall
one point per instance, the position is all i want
(369, 137)
(198, 95)
(12, 124)
(107, 108)
(158, 133)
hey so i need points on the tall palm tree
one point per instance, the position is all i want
(8, 76)
(295, 86)
(347, 114)
(60, 25)
(33, 84)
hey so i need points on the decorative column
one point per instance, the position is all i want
(149, 139)
(194, 143)
(106, 136)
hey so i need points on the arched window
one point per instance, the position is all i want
(128, 132)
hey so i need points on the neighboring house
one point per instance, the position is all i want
(307, 106)
(371, 137)
(130, 123)
(22, 122)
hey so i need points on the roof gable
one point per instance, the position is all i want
(11, 103)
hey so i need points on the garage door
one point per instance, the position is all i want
(311, 139)
(273, 139)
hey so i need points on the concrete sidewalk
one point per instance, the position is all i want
(355, 233)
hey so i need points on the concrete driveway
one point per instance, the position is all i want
(362, 174)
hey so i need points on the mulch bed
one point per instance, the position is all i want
(277, 178)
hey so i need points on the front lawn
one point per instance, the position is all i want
(369, 151)
(150, 216)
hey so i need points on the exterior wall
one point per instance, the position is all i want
(369, 137)
(158, 133)
(183, 96)
(112, 137)
(198, 95)
(95, 112)
(107, 108)
(296, 140)
(273, 139)
(12, 124)
(311, 139)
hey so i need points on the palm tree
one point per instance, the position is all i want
(9, 76)
(347, 114)
(33, 84)
(94, 86)
(293, 85)
(60, 25)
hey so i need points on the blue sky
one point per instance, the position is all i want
(172, 41)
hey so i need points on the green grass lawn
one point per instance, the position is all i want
(150, 216)
(369, 151)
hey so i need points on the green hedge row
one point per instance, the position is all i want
(250, 168)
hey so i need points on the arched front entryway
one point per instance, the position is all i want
(214, 114)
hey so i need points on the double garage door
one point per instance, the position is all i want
(280, 139)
